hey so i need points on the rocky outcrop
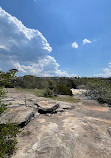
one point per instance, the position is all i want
(22, 108)
(51, 107)
(76, 130)
(65, 136)
(19, 115)
(50, 110)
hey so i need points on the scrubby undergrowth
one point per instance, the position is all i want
(8, 131)
(8, 140)
(98, 88)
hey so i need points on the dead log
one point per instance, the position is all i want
(51, 110)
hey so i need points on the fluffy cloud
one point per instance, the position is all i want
(25, 49)
(107, 72)
(86, 41)
(74, 45)
(45, 67)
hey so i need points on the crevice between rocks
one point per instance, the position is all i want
(27, 120)
(53, 110)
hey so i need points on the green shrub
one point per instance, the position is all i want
(8, 131)
(48, 93)
(8, 140)
(51, 84)
(100, 91)
(3, 107)
(62, 89)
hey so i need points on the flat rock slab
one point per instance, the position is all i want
(17, 115)
(50, 104)
(65, 136)
(78, 132)
(47, 104)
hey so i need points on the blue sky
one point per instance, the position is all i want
(64, 24)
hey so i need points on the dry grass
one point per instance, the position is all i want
(40, 93)
(37, 92)
(66, 98)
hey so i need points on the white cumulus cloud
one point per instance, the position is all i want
(74, 45)
(107, 72)
(85, 41)
(25, 49)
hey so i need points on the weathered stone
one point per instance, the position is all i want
(53, 106)
(20, 115)
(50, 110)
(82, 130)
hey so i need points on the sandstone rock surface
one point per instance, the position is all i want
(20, 115)
(82, 130)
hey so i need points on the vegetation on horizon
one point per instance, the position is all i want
(98, 88)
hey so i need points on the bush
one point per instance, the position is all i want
(51, 84)
(48, 93)
(7, 131)
(62, 89)
(100, 91)
(8, 141)
(3, 107)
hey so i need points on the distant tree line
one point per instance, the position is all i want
(98, 88)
